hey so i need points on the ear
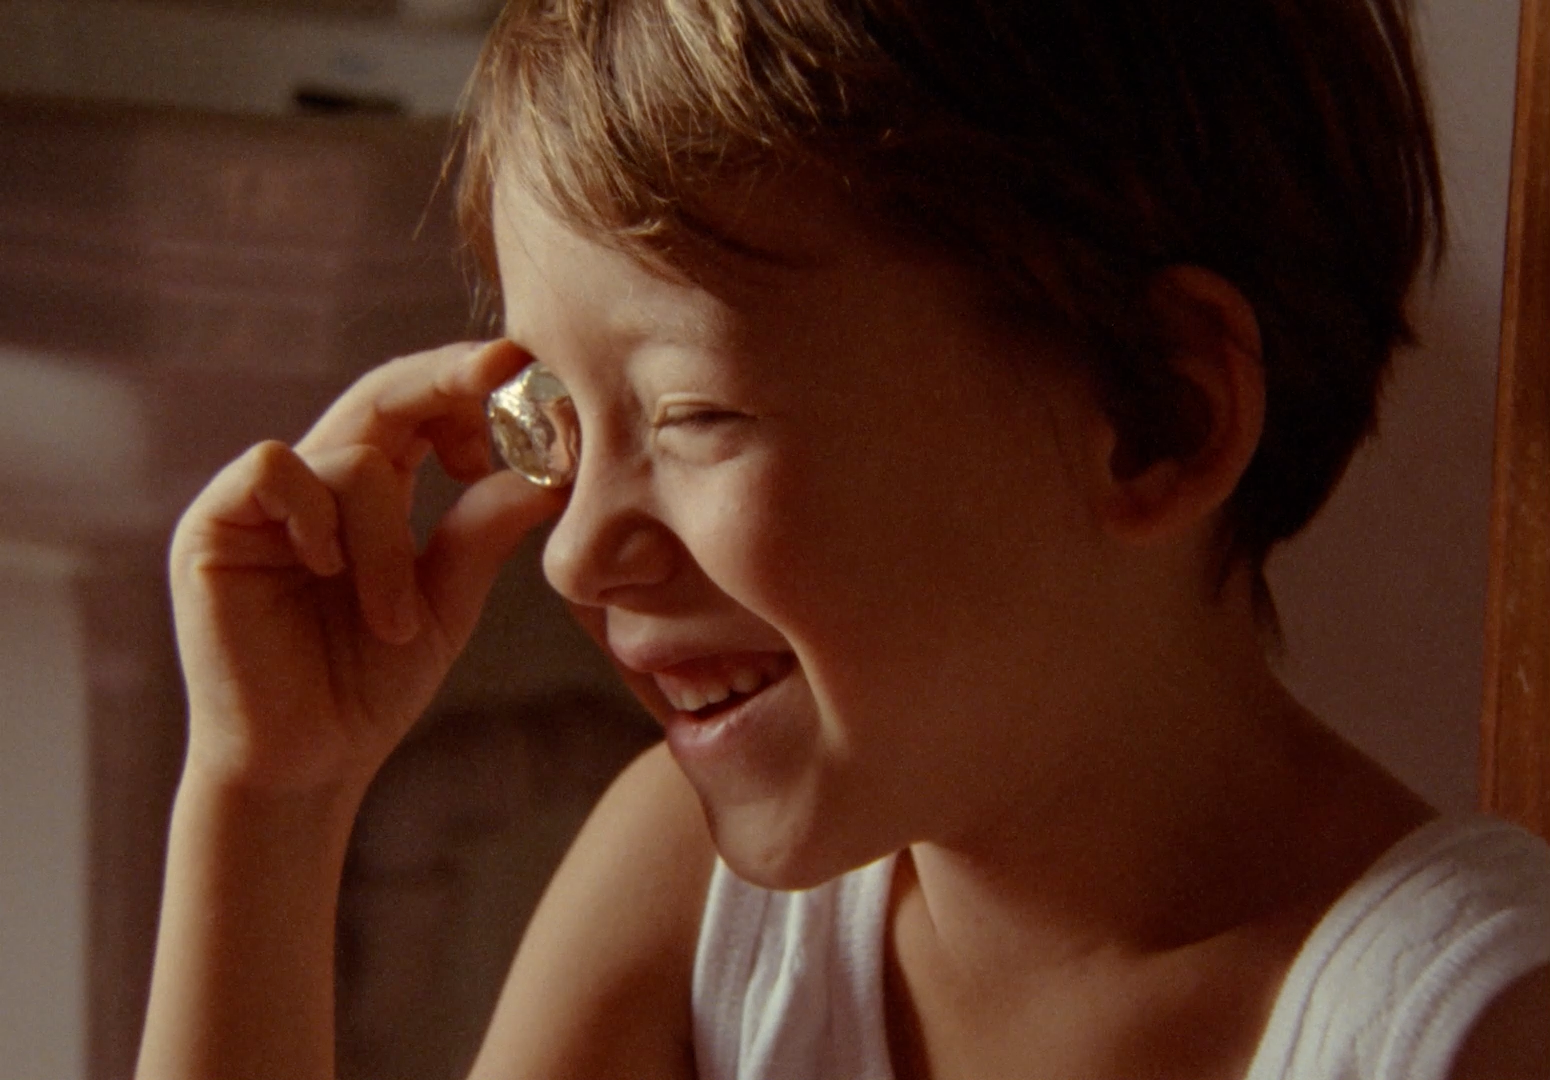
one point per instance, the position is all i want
(1214, 348)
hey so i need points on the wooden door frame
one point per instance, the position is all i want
(1515, 721)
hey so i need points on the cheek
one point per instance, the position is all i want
(896, 557)
(814, 553)
(748, 533)
(766, 532)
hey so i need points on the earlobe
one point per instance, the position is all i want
(1215, 358)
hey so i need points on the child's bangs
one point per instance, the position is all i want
(619, 115)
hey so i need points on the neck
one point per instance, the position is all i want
(1213, 809)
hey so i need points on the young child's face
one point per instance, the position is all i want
(832, 494)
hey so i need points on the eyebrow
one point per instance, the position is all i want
(631, 325)
(639, 325)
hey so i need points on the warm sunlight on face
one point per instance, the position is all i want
(825, 509)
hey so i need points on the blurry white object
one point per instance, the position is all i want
(229, 60)
(75, 449)
(64, 426)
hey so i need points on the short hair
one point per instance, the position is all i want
(1069, 149)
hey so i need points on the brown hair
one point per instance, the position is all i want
(1069, 148)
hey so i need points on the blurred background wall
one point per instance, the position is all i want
(213, 218)
(183, 276)
(1383, 598)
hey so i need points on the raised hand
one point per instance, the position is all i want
(312, 634)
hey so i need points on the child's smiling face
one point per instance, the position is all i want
(828, 494)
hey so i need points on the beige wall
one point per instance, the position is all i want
(1383, 599)
(44, 810)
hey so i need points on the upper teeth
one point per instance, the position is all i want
(690, 693)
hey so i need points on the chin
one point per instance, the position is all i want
(775, 848)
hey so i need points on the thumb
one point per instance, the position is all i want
(473, 541)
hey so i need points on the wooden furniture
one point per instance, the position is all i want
(1515, 725)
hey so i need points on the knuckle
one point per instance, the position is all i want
(372, 382)
(270, 458)
(364, 464)
(394, 372)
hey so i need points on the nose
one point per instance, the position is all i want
(607, 540)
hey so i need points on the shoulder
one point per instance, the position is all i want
(1491, 968)
(1472, 936)
(1511, 1040)
(601, 984)
(1426, 961)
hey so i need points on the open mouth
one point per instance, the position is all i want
(705, 689)
(710, 712)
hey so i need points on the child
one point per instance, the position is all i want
(944, 372)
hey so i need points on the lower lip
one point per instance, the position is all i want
(731, 735)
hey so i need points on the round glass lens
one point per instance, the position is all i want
(534, 427)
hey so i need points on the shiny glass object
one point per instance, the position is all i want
(534, 427)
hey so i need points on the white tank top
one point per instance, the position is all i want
(789, 986)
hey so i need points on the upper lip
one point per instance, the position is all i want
(647, 657)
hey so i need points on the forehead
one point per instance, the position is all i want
(552, 274)
(804, 275)
(753, 235)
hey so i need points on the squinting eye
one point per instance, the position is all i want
(691, 417)
(534, 427)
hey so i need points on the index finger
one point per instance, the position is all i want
(402, 402)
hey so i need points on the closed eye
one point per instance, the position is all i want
(695, 433)
(706, 418)
(691, 418)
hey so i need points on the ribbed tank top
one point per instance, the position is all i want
(789, 985)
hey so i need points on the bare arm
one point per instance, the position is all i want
(312, 635)
(244, 982)
(600, 987)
